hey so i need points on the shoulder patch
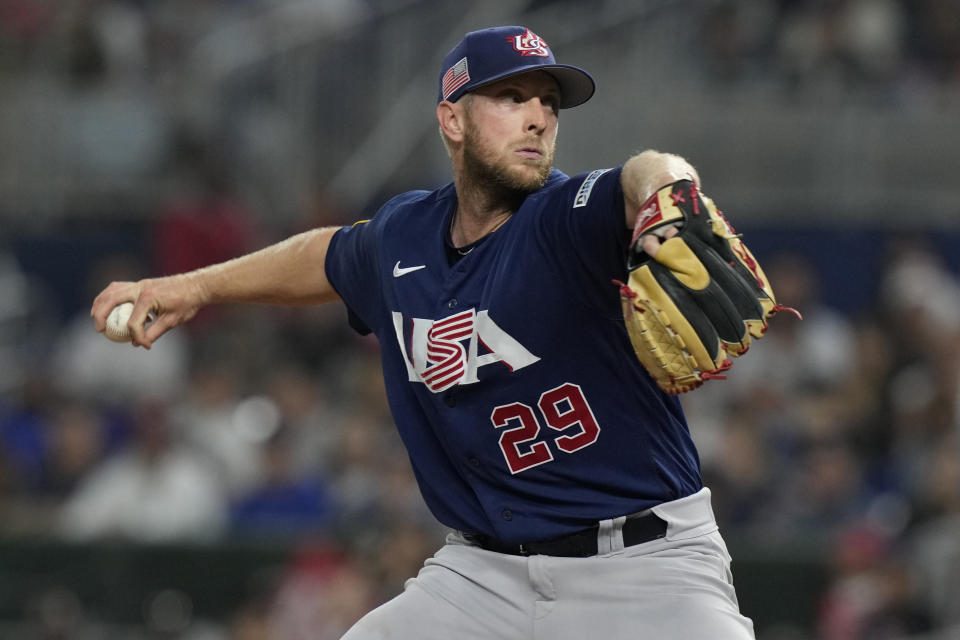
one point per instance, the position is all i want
(583, 194)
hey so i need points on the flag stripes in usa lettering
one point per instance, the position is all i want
(444, 349)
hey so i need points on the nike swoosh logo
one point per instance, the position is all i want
(397, 271)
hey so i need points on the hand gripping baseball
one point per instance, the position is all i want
(700, 298)
(159, 305)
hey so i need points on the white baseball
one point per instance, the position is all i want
(117, 323)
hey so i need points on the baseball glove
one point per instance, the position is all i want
(701, 300)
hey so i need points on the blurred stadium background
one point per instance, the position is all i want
(243, 480)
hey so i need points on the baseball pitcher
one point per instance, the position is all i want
(535, 331)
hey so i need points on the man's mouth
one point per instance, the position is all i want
(530, 153)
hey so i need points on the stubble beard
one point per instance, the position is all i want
(504, 183)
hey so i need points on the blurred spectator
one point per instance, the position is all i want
(934, 540)
(859, 402)
(934, 556)
(826, 493)
(169, 615)
(251, 621)
(399, 554)
(77, 442)
(24, 425)
(120, 31)
(312, 421)
(357, 482)
(935, 37)
(742, 473)
(400, 500)
(283, 503)
(871, 595)
(56, 613)
(938, 491)
(24, 21)
(737, 36)
(825, 47)
(920, 292)
(209, 419)
(154, 490)
(921, 306)
(811, 355)
(322, 595)
(317, 340)
(26, 321)
(111, 129)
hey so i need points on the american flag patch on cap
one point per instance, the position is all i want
(455, 77)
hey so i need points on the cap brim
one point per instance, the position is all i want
(576, 85)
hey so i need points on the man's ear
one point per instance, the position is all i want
(451, 121)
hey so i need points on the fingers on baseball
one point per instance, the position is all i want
(150, 320)
(155, 327)
(116, 293)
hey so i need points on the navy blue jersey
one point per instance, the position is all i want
(509, 373)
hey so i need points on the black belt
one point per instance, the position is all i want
(582, 544)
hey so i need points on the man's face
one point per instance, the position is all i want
(511, 132)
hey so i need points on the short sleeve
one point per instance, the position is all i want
(352, 270)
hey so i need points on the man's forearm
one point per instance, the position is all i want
(290, 272)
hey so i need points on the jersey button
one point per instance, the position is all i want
(475, 462)
(450, 399)
(452, 303)
(507, 514)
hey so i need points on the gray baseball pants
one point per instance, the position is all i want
(678, 587)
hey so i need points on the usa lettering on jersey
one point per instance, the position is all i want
(447, 352)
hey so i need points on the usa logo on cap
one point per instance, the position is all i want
(530, 44)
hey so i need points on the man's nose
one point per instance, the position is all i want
(536, 115)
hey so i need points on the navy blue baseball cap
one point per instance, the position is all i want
(493, 54)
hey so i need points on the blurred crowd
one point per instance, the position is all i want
(841, 430)
(96, 93)
(823, 48)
